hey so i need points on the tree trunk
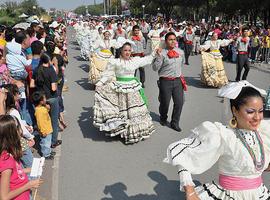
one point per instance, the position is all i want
(207, 10)
(264, 16)
(255, 17)
(268, 22)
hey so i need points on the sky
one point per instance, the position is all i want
(61, 4)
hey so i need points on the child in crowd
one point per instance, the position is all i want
(13, 179)
(11, 104)
(16, 62)
(44, 124)
(4, 73)
(3, 42)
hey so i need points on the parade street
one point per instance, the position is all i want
(92, 166)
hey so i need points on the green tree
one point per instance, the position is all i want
(92, 9)
(31, 7)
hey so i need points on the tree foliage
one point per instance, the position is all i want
(228, 9)
(10, 10)
(92, 9)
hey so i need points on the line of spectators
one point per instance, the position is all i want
(32, 65)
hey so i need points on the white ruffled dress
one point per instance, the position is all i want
(119, 107)
(214, 142)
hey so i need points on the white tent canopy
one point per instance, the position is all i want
(23, 16)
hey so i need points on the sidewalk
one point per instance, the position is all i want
(44, 192)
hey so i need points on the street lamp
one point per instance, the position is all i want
(86, 10)
(34, 10)
(143, 6)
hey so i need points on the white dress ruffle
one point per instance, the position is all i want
(119, 108)
(211, 143)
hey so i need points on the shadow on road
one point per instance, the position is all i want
(165, 190)
(196, 82)
(84, 67)
(155, 116)
(74, 43)
(88, 130)
(76, 48)
(78, 58)
(84, 83)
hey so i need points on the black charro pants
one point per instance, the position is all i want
(188, 49)
(171, 89)
(242, 62)
(142, 74)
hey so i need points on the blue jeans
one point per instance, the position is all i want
(45, 145)
(20, 75)
(54, 113)
(59, 92)
(31, 111)
(27, 158)
(25, 111)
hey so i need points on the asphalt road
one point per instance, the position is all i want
(94, 167)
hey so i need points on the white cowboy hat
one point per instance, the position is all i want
(55, 24)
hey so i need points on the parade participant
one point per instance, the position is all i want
(119, 32)
(241, 151)
(267, 101)
(105, 43)
(188, 38)
(197, 40)
(217, 30)
(171, 83)
(138, 49)
(100, 34)
(179, 35)
(121, 106)
(110, 28)
(213, 72)
(84, 41)
(242, 44)
(170, 27)
(130, 27)
(145, 28)
(103, 51)
(154, 35)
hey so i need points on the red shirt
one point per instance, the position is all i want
(18, 177)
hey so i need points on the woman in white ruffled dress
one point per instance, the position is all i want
(103, 52)
(121, 106)
(213, 73)
(242, 151)
(154, 35)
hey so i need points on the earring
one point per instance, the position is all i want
(233, 122)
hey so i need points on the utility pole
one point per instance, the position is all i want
(116, 7)
(104, 6)
(95, 2)
(108, 7)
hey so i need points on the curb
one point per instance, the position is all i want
(55, 173)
